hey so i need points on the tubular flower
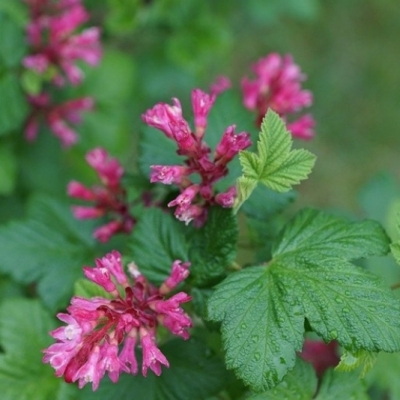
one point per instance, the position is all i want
(58, 117)
(195, 198)
(109, 199)
(277, 85)
(55, 47)
(101, 333)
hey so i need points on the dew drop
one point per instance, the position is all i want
(345, 310)
(254, 338)
(333, 334)
(257, 356)
(339, 299)
(243, 326)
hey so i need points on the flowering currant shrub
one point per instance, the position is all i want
(173, 264)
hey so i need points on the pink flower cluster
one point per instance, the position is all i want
(58, 117)
(55, 49)
(194, 199)
(277, 85)
(102, 332)
(54, 45)
(109, 199)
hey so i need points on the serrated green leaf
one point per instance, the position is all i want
(13, 106)
(263, 309)
(275, 165)
(316, 234)
(50, 248)
(351, 360)
(24, 327)
(156, 242)
(194, 373)
(213, 248)
(298, 384)
(341, 385)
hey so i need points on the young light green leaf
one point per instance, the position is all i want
(156, 242)
(351, 360)
(342, 385)
(49, 244)
(276, 165)
(244, 188)
(24, 327)
(298, 384)
(213, 248)
(194, 373)
(316, 234)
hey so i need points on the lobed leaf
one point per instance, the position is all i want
(275, 165)
(316, 234)
(263, 309)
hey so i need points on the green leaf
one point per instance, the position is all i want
(263, 308)
(341, 385)
(213, 247)
(13, 106)
(12, 41)
(24, 327)
(299, 384)
(8, 170)
(244, 188)
(395, 248)
(385, 374)
(88, 289)
(276, 165)
(194, 373)
(156, 242)
(316, 234)
(351, 360)
(50, 248)
(264, 203)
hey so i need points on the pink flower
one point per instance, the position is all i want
(101, 334)
(59, 117)
(227, 199)
(221, 84)
(277, 85)
(108, 199)
(152, 356)
(195, 198)
(54, 45)
(321, 355)
(303, 128)
(202, 103)
(168, 174)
